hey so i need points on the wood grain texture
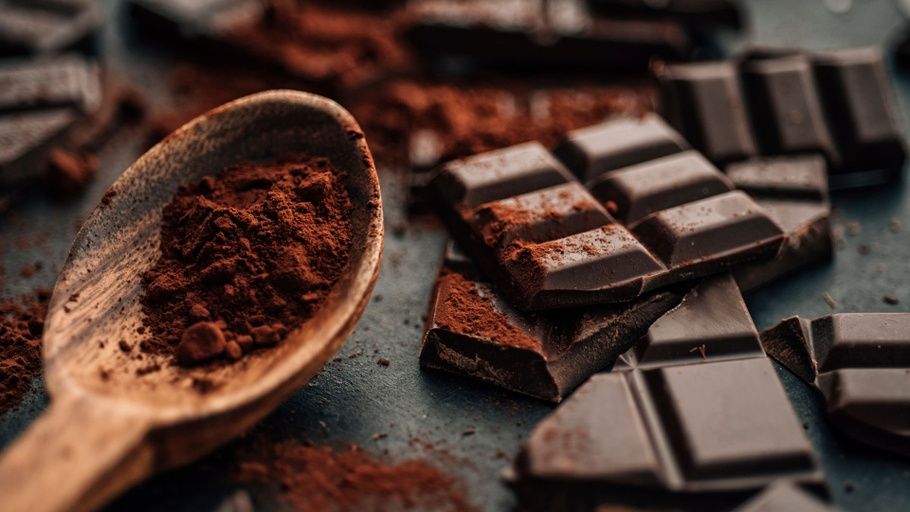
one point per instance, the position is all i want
(149, 422)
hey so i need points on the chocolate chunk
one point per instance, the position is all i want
(199, 343)
(794, 192)
(860, 106)
(537, 33)
(692, 12)
(723, 425)
(473, 331)
(658, 184)
(711, 323)
(705, 103)
(546, 242)
(860, 362)
(46, 26)
(592, 151)
(785, 497)
(786, 111)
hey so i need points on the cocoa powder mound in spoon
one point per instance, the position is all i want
(246, 256)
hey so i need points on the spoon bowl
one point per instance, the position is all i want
(118, 416)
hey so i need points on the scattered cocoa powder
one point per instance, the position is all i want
(470, 311)
(413, 121)
(254, 251)
(21, 327)
(320, 478)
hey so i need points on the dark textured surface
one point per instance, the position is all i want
(355, 397)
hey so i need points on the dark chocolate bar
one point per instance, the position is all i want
(694, 12)
(540, 33)
(717, 427)
(794, 192)
(472, 331)
(46, 26)
(549, 243)
(837, 103)
(592, 151)
(710, 324)
(861, 364)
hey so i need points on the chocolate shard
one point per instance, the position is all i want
(547, 243)
(691, 430)
(711, 323)
(640, 190)
(785, 497)
(786, 112)
(473, 331)
(860, 106)
(860, 362)
(35, 27)
(705, 103)
(590, 152)
(537, 33)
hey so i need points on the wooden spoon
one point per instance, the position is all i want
(111, 423)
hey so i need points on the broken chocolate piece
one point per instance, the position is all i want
(691, 430)
(711, 323)
(860, 362)
(592, 151)
(547, 243)
(794, 192)
(472, 331)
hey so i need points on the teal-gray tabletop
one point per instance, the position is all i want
(354, 398)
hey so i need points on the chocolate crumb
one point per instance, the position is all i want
(383, 362)
(199, 343)
(891, 299)
(124, 346)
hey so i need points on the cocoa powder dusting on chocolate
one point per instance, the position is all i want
(320, 478)
(469, 311)
(246, 256)
(21, 327)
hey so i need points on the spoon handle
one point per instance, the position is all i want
(80, 453)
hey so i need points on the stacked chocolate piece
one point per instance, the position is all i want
(838, 104)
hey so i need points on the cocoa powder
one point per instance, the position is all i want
(470, 310)
(320, 478)
(246, 256)
(21, 327)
